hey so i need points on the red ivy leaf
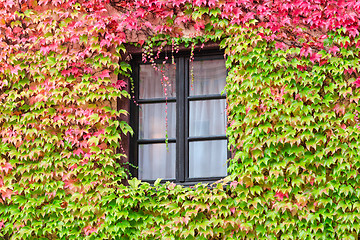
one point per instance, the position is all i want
(78, 151)
(120, 84)
(280, 196)
(305, 51)
(280, 45)
(104, 74)
(315, 57)
(334, 49)
(357, 82)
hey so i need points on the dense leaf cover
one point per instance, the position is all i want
(292, 106)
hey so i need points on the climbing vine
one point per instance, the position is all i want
(292, 94)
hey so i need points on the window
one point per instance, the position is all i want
(196, 119)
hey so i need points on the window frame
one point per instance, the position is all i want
(182, 101)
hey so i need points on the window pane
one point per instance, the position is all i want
(207, 118)
(207, 158)
(155, 161)
(152, 120)
(209, 77)
(152, 83)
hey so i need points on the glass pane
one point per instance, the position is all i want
(152, 120)
(209, 77)
(207, 158)
(207, 118)
(155, 161)
(153, 83)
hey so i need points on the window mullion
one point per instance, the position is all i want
(186, 123)
(180, 120)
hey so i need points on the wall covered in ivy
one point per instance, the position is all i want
(292, 96)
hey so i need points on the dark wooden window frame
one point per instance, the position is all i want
(182, 100)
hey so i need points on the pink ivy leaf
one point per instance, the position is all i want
(78, 151)
(88, 70)
(212, 3)
(322, 62)
(232, 210)
(280, 45)
(9, 3)
(334, 49)
(7, 167)
(120, 84)
(85, 161)
(353, 32)
(105, 42)
(305, 51)
(199, 26)
(312, 182)
(199, 2)
(87, 155)
(51, 194)
(171, 186)
(315, 57)
(104, 74)
(248, 16)
(6, 194)
(72, 167)
(17, 30)
(280, 196)
(234, 184)
(57, 118)
(357, 82)
(89, 230)
(15, 70)
(358, 44)
(65, 73)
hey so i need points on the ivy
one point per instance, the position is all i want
(292, 94)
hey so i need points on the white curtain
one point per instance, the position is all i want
(152, 120)
(155, 161)
(207, 158)
(209, 77)
(208, 118)
(152, 84)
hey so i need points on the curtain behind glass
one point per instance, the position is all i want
(207, 118)
(152, 120)
(155, 160)
(207, 158)
(209, 77)
(152, 84)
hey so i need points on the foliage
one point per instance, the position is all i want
(58, 130)
(292, 106)
(294, 128)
